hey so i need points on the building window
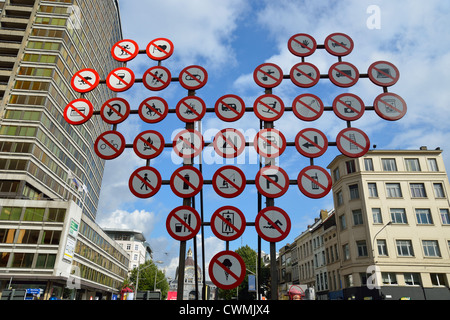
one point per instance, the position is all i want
(339, 198)
(393, 190)
(351, 166)
(432, 165)
(362, 248)
(412, 164)
(389, 278)
(357, 217)
(336, 174)
(418, 190)
(445, 216)
(412, 279)
(342, 222)
(128, 246)
(404, 248)
(431, 248)
(354, 192)
(368, 164)
(389, 164)
(398, 215)
(382, 247)
(346, 251)
(373, 192)
(424, 216)
(376, 214)
(22, 260)
(438, 279)
(438, 190)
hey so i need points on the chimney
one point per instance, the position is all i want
(423, 148)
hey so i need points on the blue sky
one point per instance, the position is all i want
(230, 39)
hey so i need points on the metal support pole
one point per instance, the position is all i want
(181, 266)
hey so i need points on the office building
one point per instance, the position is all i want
(49, 172)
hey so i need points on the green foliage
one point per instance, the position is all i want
(147, 272)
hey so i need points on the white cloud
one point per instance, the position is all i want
(139, 220)
(199, 29)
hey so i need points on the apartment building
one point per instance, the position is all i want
(393, 224)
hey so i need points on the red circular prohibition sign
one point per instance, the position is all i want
(220, 268)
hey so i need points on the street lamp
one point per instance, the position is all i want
(156, 273)
(374, 238)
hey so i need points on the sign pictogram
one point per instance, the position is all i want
(227, 270)
(183, 223)
(348, 106)
(269, 143)
(314, 182)
(229, 143)
(115, 110)
(148, 144)
(383, 73)
(268, 75)
(85, 80)
(305, 75)
(153, 109)
(302, 45)
(145, 182)
(160, 49)
(193, 77)
(125, 50)
(229, 108)
(229, 181)
(339, 44)
(228, 223)
(156, 78)
(390, 106)
(308, 107)
(188, 143)
(191, 109)
(273, 224)
(268, 107)
(109, 145)
(353, 142)
(343, 74)
(186, 181)
(78, 111)
(311, 143)
(120, 79)
(272, 181)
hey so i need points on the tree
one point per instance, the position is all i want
(147, 272)
(250, 257)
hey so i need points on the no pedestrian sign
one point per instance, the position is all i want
(145, 182)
